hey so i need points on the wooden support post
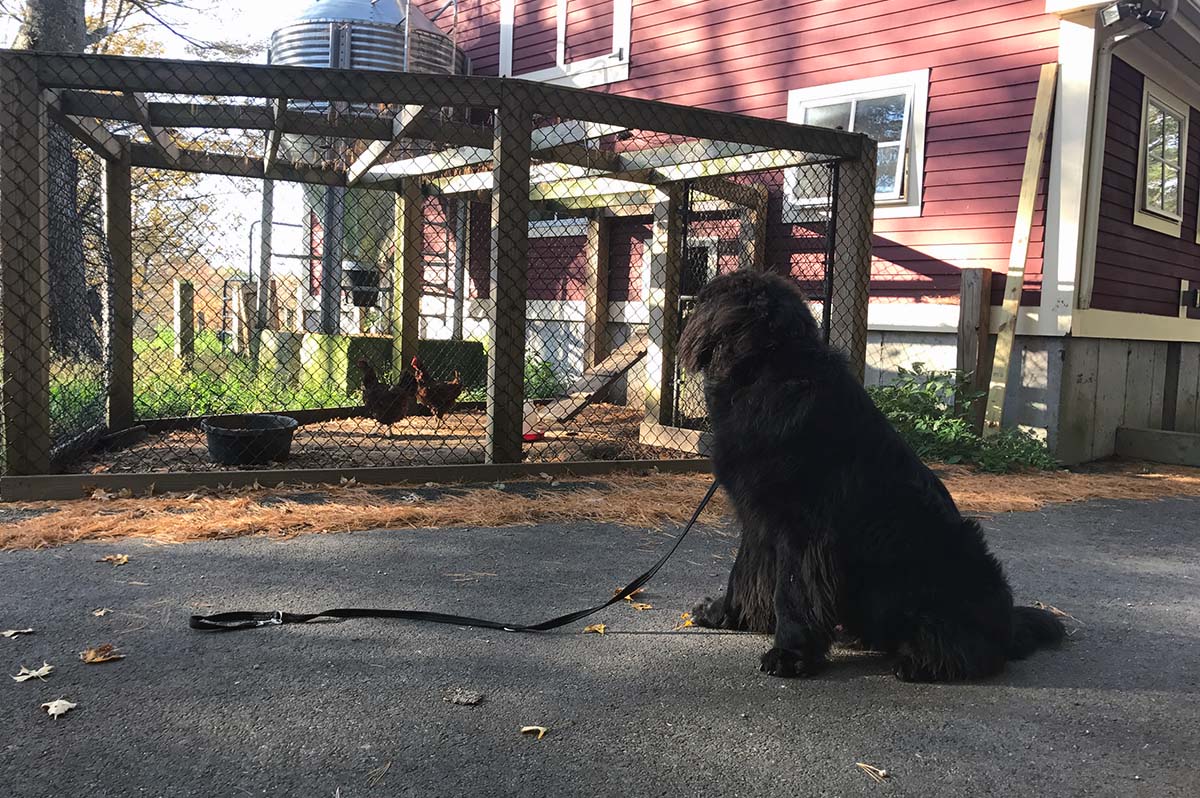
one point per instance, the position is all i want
(851, 226)
(274, 316)
(595, 320)
(662, 300)
(407, 274)
(118, 316)
(185, 324)
(510, 264)
(974, 310)
(1014, 283)
(754, 233)
(24, 269)
(265, 251)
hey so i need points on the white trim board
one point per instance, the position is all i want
(1118, 325)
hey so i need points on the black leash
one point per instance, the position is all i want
(233, 621)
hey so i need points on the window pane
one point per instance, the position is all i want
(887, 175)
(834, 115)
(1154, 184)
(1154, 130)
(1170, 190)
(881, 118)
(1171, 138)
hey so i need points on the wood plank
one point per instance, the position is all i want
(1139, 384)
(140, 107)
(402, 126)
(1077, 410)
(274, 136)
(510, 264)
(1015, 279)
(118, 306)
(662, 300)
(595, 317)
(185, 324)
(78, 486)
(24, 269)
(585, 390)
(1187, 406)
(88, 130)
(975, 305)
(408, 274)
(149, 155)
(1111, 378)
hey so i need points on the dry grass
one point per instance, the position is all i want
(648, 501)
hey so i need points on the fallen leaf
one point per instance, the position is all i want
(99, 654)
(124, 493)
(58, 707)
(878, 775)
(687, 622)
(115, 559)
(101, 495)
(596, 628)
(41, 673)
(11, 633)
(641, 606)
(540, 731)
(100, 613)
(637, 592)
(349, 483)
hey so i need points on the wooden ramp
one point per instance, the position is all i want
(539, 418)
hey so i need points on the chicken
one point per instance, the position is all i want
(439, 397)
(387, 404)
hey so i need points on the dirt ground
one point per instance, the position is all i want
(600, 432)
(648, 499)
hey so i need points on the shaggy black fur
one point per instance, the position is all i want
(842, 524)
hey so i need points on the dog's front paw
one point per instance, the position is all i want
(789, 664)
(907, 669)
(709, 613)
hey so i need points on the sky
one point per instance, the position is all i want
(238, 20)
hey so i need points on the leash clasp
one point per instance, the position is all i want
(276, 619)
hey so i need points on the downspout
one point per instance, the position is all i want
(1098, 133)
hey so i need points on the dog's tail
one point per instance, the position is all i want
(1034, 628)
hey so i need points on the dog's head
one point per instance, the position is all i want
(745, 315)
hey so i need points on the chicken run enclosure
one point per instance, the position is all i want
(192, 249)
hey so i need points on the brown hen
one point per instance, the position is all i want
(439, 397)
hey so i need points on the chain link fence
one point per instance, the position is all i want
(213, 267)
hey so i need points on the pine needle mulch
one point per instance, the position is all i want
(651, 501)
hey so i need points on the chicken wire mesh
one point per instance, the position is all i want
(316, 269)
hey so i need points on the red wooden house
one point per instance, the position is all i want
(1109, 328)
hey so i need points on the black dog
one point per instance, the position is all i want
(842, 524)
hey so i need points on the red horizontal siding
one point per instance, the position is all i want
(477, 31)
(1139, 270)
(744, 56)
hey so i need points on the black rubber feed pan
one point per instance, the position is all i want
(249, 440)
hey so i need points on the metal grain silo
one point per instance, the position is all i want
(350, 230)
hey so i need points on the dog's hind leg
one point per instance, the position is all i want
(803, 632)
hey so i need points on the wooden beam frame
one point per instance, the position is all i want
(149, 155)
(402, 127)
(407, 274)
(138, 104)
(510, 264)
(595, 317)
(90, 131)
(24, 269)
(118, 306)
(274, 135)
(667, 243)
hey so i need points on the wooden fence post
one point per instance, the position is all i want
(974, 312)
(510, 264)
(662, 300)
(407, 274)
(24, 269)
(118, 227)
(595, 320)
(854, 217)
(185, 323)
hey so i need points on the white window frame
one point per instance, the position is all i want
(589, 72)
(1154, 219)
(916, 85)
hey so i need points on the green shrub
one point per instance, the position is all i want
(925, 407)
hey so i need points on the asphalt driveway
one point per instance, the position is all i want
(359, 708)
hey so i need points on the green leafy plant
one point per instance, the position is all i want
(928, 408)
